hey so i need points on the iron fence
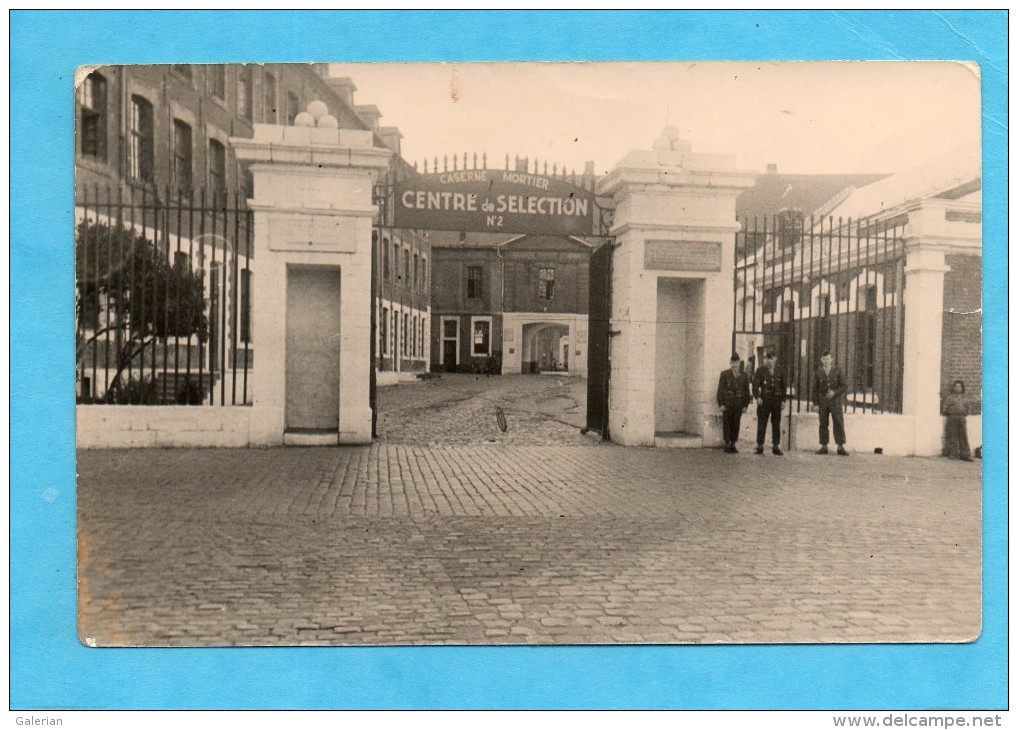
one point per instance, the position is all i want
(806, 286)
(163, 298)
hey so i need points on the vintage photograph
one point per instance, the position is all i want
(528, 353)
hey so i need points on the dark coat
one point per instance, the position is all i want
(733, 390)
(823, 382)
(768, 386)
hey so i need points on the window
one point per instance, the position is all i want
(449, 328)
(181, 158)
(424, 273)
(142, 141)
(395, 261)
(481, 337)
(384, 335)
(385, 258)
(422, 336)
(217, 81)
(474, 274)
(244, 92)
(417, 272)
(546, 284)
(217, 168)
(245, 305)
(413, 337)
(406, 326)
(92, 120)
(292, 107)
(270, 98)
(866, 347)
(406, 267)
(822, 327)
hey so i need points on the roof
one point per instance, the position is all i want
(456, 239)
(470, 239)
(774, 192)
(956, 174)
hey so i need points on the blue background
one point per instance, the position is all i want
(50, 670)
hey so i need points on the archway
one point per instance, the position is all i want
(545, 347)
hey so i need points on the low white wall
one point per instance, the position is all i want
(124, 427)
(896, 435)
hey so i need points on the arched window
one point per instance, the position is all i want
(141, 142)
(217, 168)
(92, 117)
(182, 172)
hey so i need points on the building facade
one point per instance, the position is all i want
(887, 277)
(153, 154)
(510, 304)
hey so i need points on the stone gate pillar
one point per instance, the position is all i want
(313, 212)
(672, 291)
(923, 331)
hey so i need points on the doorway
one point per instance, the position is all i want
(679, 391)
(312, 348)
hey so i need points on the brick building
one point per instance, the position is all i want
(938, 209)
(509, 304)
(153, 149)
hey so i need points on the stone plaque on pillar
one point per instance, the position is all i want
(682, 255)
(300, 232)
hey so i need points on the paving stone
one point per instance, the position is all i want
(545, 536)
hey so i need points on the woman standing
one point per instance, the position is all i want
(956, 438)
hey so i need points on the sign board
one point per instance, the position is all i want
(494, 201)
(682, 255)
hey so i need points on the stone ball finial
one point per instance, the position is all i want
(671, 141)
(328, 122)
(317, 109)
(304, 120)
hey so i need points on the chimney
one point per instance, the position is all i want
(391, 136)
(772, 168)
(369, 114)
(343, 87)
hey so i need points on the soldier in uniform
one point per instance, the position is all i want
(828, 393)
(769, 391)
(733, 397)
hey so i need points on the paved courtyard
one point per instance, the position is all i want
(439, 535)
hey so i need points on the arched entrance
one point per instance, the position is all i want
(495, 263)
(545, 347)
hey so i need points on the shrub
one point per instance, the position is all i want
(190, 393)
(134, 391)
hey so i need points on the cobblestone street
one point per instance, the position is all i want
(469, 542)
(460, 409)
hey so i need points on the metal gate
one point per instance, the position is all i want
(406, 222)
(806, 285)
(599, 340)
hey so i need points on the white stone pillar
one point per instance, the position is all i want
(924, 322)
(312, 207)
(674, 218)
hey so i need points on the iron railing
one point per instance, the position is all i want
(163, 298)
(804, 286)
